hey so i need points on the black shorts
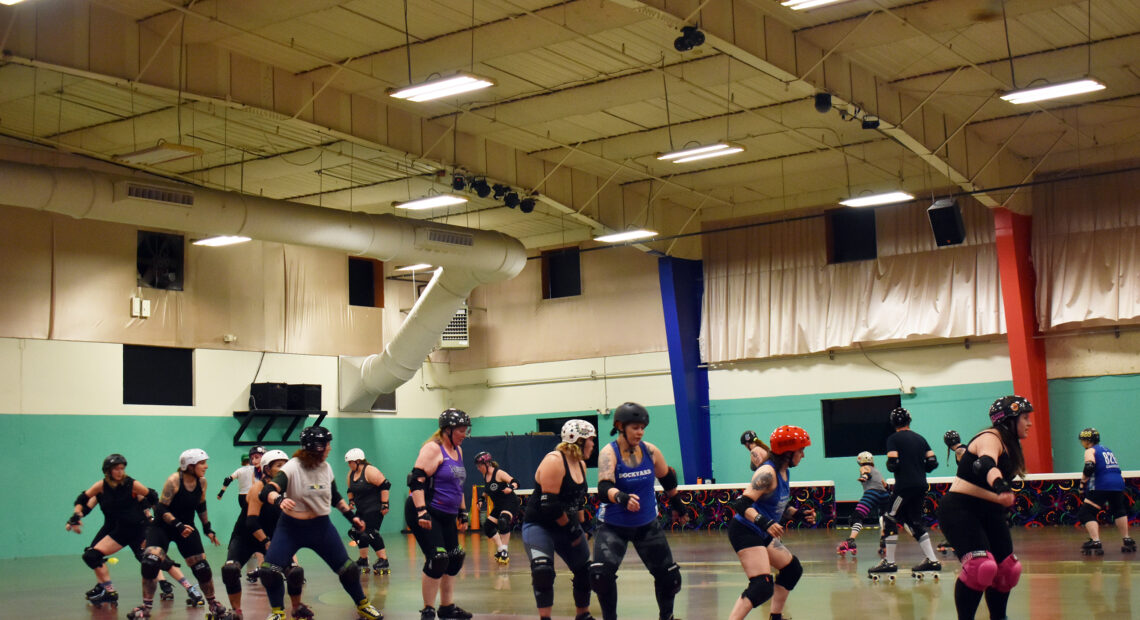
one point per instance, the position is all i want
(443, 537)
(242, 548)
(740, 536)
(128, 535)
(162, 535)
(612, 541)
(974, 524)
(1111, 501)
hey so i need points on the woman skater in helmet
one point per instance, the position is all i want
(757, 450)
(368, 491)
(305, 491)
(875, 499)
(553, 520)
(755, 532)
(500, 489)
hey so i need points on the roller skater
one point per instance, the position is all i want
(368, 491)
(249, 472)
(910, 458)
(1103, 487)
(847, 546)
(874, 499)
(973, 513)
(499, 488)
(883, 569)
(758, 451)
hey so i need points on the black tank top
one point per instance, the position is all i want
(119, 505)
(571, 494)
(185, 502)
(966, 467)
(268, 518)
(365, 495)
(496, 490)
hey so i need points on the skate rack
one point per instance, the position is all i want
(270, 416)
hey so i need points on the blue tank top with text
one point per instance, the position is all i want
(636, 480)
(773, 504)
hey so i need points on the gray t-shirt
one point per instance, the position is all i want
(875, 482)
(311, 489)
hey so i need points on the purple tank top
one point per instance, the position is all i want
(447, 484)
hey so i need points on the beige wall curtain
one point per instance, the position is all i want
(769, 290)
(1086, 248)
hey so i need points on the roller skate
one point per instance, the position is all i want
(302, 611)
(1091, 546)
(194, 597)
(251, 576)
(453, 611)
(427, 613)
(585, 616)
(381, 567)
(944, 547)
(165, 590)
(217, 611)
(1129, 546)
(93, 591)
(368, 612)
(363, 564)
(103, 595)
(502, 557)
(276, 615)
(847, 545)
(234, 614)
(883, 570)
(925, 568)
(139, 613)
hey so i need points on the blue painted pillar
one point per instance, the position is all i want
(682, 285)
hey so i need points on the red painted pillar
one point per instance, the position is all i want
(1026, 353)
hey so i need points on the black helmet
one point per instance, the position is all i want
(256, 450)
(900, 417)
(452, 418)
(629, 412)
(1090, 434)
(747, 438)
(111, 461)
(1008, 408)
(315, 438)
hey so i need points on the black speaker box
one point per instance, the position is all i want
(851, 235)
(268, 396)
(946, 222)
(305, 397)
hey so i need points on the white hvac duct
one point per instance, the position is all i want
(466, 257)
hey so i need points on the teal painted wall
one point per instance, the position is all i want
(51, 458)
(1110, 404)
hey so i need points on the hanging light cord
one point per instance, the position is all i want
(1008, 49)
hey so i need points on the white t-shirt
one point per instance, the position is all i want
(311, 489)
(244, 476)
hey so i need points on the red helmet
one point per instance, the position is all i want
(788, 439)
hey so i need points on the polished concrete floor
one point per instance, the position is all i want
(1058, 583)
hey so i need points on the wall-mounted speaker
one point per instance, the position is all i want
(946, 222)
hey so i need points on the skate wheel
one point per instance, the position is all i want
(936, 576)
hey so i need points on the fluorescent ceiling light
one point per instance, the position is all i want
(628, 235)
(1053, 91)
(416, 267)
(877, 199)
(10, 2)
(443, 87)
(701, 152)
(160, 153)
(221, 240)
(429, 202)
(800, 5)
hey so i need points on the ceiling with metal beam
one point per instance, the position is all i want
(289, 99)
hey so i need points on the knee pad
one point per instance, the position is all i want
(542, 580)
(436, 565)
(92, 558)
(231, 577)
(455, 559)
(790, 575)
(760, 589)
(349, 574)
(151, 565)
(890, 526)
(1008, 574)
(1087, 512)
(377, 540)
(603, 578)
(580, 586)
(919, 532)
(202, 571)
(668, 581)
(488, 528)
(295, 579)
(978, 570)
(271, 576)
(505, 522)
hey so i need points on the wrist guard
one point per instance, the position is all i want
(762, 521)
(422, 514)
(74, 520)
(621, 498)
(349, 514)
(207, 528)
(676, 505)
(1002, 486)
(280, 498)
(383, 505)
(464, 516)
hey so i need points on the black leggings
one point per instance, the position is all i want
(610, 545)
(443, 537)
(974, 524)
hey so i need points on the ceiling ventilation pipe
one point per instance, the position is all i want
(466, 257)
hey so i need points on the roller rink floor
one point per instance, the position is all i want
(1057, 582)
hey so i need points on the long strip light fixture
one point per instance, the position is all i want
(430, 202)
(1053, 91)
(800, 5)
(415, 267)
(877, 199)
(628, 235)
(442, 87)
(701, 152)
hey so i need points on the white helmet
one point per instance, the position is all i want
(273, 455)
(355, 454)
(573, 430)
(191, 457)
(865, 458)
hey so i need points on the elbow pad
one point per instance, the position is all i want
(336, 497)
(931, 464)
(81, 501)
(151, 498)
(604, 487)
(740, 504)
(417, 480)
(892, 463)
(201, 510)
(669, 480)
(982, 468)
(1090, 469)
(252, 523)
(384, 486)
(514, 483)
(226, 481)
(550, 505)
(264, 494)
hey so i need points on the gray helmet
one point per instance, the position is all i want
(629, 413)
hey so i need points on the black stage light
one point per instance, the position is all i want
(823, 102)
(870, 123)
(480, 187)
(500, 190)
(458, 182)
(690, 38)
(511, 199)
(526, 205)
